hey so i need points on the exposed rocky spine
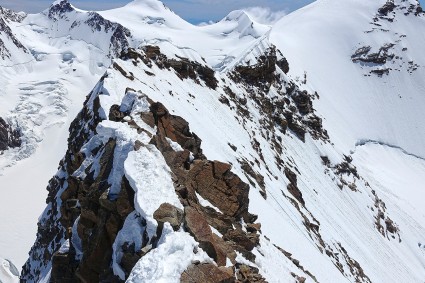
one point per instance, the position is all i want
(83, 206)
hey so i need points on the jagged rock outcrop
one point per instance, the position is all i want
(81, 226)
(380, 58)
(7, 16)
(184, 68)
(210, 180)
(9, 137)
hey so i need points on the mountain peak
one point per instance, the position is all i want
(245, 25)
(154, 4)
(11, 15)
(150, 5)
(60, 7)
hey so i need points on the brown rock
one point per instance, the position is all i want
(115, 113)
(250, 274)
(198, 227)
(206, 273)
(176, 129)
(225, 191)
(169, 213)
(218, 220)
(224, 251)
(253, 228)
(296, 193)
(61, 269)
(148, 119)
(240, 238)
(220, 168)
(125, 200)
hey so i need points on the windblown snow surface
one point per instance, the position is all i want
(377, 119)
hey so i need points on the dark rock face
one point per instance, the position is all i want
(381, 57)
(119, 39)
(184, 68)
(387, 8)
(6, 30)
(59, 10)
(53, 227)
(7, 16)
(292, 109)
(388, 228)
(9, 138)
(262, 72)
(254, 175)
(208, 273)
(115, 113)
(292, 187)
(10, 15)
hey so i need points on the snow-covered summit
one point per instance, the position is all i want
(10, 15)
(245, 25)
(59, 8)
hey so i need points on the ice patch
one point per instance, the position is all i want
(206, 203)
(175, 146)
(169, 260)
(8, 272)
(149, 175)
(130, 233)
(64, 248)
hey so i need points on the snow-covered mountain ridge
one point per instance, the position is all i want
(233, 158)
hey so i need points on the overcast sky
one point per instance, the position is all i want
(194, 11)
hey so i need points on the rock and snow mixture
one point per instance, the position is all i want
(242, 156)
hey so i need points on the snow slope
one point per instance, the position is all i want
(320, 40)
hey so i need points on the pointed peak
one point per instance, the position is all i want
(62, 3)
(60, 7)
(237, 15)
(241, 22)
(153, 4)
(11, 15)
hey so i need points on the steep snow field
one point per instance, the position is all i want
(321, 38)
(398, 175)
